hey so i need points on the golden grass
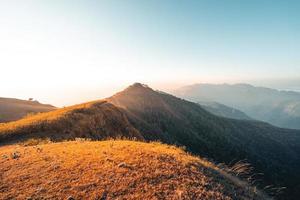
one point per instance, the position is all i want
(46, 116)
(112, 169)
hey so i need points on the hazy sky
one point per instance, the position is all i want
(65, 52)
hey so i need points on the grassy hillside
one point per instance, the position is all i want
(14, 109)
(96, 120)
(113, 170)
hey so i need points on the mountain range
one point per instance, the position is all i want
(144, 114)
(280, 108)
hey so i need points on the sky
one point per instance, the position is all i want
(69, 51)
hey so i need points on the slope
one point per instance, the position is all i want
(96, 120)
(14, 109)
(114, 170)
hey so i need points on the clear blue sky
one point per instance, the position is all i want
(99, 46)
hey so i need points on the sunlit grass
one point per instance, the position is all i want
(43, 117)
(118, 169)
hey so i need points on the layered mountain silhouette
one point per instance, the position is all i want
(223, 110)
(280, 108)
(142, 113)
(14, 109)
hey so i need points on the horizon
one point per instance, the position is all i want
(66, 52)
(91, 97)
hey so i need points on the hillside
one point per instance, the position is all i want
(96, 120)
(113, 170)
(280, 108)
(142, 113)
(14, 109)
(223, 111)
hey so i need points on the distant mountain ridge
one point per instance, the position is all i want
(223, 110)
(13, 109)
(142, 113)
(280, 108)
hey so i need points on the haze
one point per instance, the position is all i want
(66, 52)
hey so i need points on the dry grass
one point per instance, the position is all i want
(46, 116)
(112, 170)
(34, 142)
(96, 120)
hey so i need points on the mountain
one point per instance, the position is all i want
(280, 108)
(114, 170)
(142, 113)
(223, 111)
(14, 109)
(159, 116)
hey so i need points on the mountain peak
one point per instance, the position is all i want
(139, 97)
(138, 86)
(136, 89)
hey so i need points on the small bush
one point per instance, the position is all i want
(36, 141)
